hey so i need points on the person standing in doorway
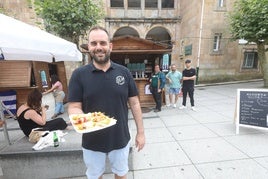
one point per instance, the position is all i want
(174, 77)
(58, 93)
(167, 87)
(106, 87)
(189, 76)
(158, 83)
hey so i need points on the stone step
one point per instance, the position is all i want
(20, 161)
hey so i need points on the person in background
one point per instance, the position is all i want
(189, 76)
(106, 87)
(33, 115)
(58, 93)
(167, 87)
(158, 83)
(174, 77)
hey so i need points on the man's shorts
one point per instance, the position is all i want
(95, 162)
(174, 91)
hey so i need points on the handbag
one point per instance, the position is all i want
(36, 134)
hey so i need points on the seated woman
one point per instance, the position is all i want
(32, 115)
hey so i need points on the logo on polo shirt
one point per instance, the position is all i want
(120, 80)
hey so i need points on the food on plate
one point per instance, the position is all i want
(91, 121)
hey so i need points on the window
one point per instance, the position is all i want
(250, 60)
(134, 3)
(151, 3)
(167, 3)
(117, 3)
(217, 42)
(220, 3)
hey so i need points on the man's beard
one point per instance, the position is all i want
(101, 61)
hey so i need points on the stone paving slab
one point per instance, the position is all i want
(254, 145)
(198, 144)
(211, 150)
(176, 172)
(235, 169)
(159, 155)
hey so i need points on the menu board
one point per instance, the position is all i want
(252, 108)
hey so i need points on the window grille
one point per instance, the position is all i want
(250, 60)
(217, 42)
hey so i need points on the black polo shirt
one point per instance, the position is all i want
(106, 92)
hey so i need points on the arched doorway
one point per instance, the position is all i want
(126, 31)
(160, 36)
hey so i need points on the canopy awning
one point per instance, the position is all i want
(21, 41)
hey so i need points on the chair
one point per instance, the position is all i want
(2, 116)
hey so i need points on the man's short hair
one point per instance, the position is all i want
(100, 28)
(187, 61)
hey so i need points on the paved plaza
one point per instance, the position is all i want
(200, 144)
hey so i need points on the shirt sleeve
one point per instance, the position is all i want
(162, 80)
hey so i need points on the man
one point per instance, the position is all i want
(174, 77)
(167, 87)
(189, 75)
(158, 83)
(105, 87)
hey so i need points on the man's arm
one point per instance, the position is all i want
(189, 78)
(75, 108)
(137, 114)
(162, 80)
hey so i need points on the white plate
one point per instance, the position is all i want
(91, 129)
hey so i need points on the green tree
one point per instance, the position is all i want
(70, 19)
(249, 21)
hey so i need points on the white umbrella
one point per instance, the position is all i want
(21, 41)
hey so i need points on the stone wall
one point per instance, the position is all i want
(21, 10)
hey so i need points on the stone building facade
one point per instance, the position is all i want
(195, 30)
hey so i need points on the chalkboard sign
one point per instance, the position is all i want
(252, 108)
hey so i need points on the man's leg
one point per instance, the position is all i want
(95, 163)
(176, 94)
(119, 162)
(158, 101)
(176, 98)
(184, 95)
(154, 93)
(170, 98)
(191, 95)
(61, 108)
